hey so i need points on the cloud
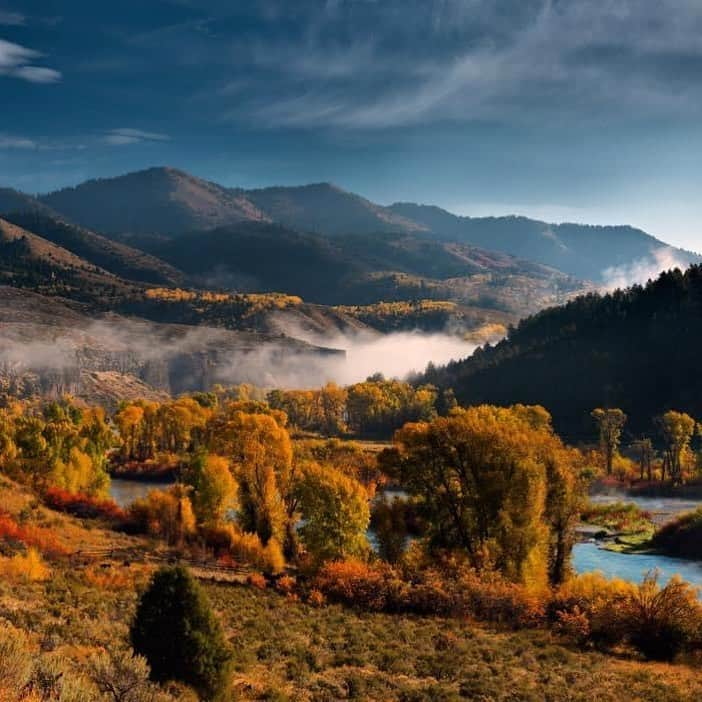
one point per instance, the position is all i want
(11, 19)
(18, 62)
(376, 65)
(123, 137)
(644, 269)
(12, 142)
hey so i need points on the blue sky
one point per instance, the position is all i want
(565, 110)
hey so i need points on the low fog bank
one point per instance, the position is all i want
(395, 355)
(181, 359)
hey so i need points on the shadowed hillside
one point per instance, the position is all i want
(637, 349)
(115, 257)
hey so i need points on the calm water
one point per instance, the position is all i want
(124, 492)
(633, 566)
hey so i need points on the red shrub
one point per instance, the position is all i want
(85, 506)
(43, 540)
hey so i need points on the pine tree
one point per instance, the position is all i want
(176, 631)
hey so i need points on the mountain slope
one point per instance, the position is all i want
(581, 250)
(362, 269)
(324, 208)
(50, 347)
(636, 349)
(24, 253)
(16, 201)
(162, 201)
(115, 257)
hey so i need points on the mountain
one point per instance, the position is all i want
(112, 256)
(37, 265)
(32, 261)
(362, 269)
(16, 201)
(159, 204)
(323, 208)
(637, 349)
(583, 251)
(161, 201)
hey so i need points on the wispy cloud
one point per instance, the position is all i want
(11, 19)
(124, 137)
(644, 269)
(18, 62)
(14, 142)
(372, 65)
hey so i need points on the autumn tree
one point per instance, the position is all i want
(335, 514)
(261, 453)
(389, 524)
(331, 405)
(610, 423)
(481, 479)
(677, 429)
(643, 448)
(166, 513)
(213, 487)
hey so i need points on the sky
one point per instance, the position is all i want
(563, 110)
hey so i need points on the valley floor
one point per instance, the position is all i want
(288, 650)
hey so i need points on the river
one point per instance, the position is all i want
(587, 556)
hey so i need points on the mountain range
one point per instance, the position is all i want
(168, 252)
(165, 203)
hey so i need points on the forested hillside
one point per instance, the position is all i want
(113, 256)
(637, 349)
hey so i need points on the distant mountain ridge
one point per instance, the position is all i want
(362, 269)
(583, 250)
(154, 201)
(166, 203)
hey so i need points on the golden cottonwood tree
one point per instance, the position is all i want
(610, 423)
(482, 479)
(261, 453)
(335, 513)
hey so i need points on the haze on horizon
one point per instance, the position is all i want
(555, 109)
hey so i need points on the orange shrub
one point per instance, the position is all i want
(257, 580)
(594, 599)
(489, 597)
(114, 578)
(354, 583)
(485, 596)
(28, 567)
(245, 547)
(285, 584)
(316, 598)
